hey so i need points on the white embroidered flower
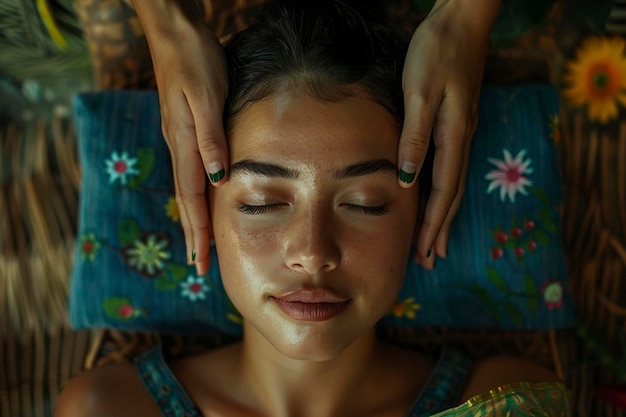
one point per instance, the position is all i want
(194, 288)
(148, 255)
(120, 167)
(510, 175)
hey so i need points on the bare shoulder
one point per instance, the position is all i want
(496, 371)
(112, 390)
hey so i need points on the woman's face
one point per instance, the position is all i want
(312, 230)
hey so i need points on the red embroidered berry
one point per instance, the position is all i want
(532, 245)
(519, 252)
(126, 311)
(529, 225)
(516, 232)
(500, 237)
(496, 252)
(87, 246)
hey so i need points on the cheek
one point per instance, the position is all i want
(243, 254)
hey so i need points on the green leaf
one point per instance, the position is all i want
(596, 13)
(532, 293)
(164, 284)
(112, 307)
(128, 231)
(176, 272)
(424, 6)
(514, 313)
(496, 279)
(146, 158)
(517, 17)
(542, 195)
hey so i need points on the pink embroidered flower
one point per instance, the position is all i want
(120, 167)
(194, 288)
(552, 292)
(510, 176)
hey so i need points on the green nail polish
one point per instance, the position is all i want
(217, 176)
(193, 256)
(405, 176)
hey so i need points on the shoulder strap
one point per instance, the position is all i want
(163, 386)
(445, 384)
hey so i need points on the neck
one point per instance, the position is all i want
(285, 387)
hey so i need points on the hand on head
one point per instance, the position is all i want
(441, 84)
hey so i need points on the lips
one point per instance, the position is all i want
(312, 305)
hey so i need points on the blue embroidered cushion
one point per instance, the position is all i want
(505, 267)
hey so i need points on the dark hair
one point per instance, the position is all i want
(325, 47)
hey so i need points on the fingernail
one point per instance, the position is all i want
(407, 171)
(193, 256)
(216, 172)
(428, 253)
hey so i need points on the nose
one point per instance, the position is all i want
(312, 244)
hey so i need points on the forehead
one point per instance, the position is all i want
(288, 125)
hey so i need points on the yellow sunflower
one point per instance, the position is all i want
(597, 77)
(171, 209)
(405, 308)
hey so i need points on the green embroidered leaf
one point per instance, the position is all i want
(513, 313)
(164, 284)
(532, 293)
(542, 237)
(128, 231)
(485, 296)
(176, 272)
(544, 215)
(146, 158)
(496, 279)
(119, 308)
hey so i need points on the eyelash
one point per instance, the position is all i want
(264, 209)
(371, 211)
(256, 210)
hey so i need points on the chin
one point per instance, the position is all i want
(313, 342)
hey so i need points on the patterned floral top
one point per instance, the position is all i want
(520, 399)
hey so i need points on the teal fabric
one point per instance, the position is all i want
(505, 267)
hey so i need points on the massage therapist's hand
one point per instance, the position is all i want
(192, 81)
(441, 83)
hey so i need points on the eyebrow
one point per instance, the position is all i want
(265, 169)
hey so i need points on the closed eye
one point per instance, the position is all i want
(368, 210)
(259, 209)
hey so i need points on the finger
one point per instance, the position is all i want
(441, 242)
(192, 205)
(416, 131)
(450, 133)
(190, 182)
(209, 130)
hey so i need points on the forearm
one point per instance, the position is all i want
(167, 18)
(478, 15)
